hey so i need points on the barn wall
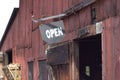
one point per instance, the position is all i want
(23, 27)
(110, 48)
(24, 36)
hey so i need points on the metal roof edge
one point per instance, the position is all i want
(11, 20)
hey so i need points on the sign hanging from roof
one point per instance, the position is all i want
(53, 32)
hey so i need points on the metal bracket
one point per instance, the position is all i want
(47, 18)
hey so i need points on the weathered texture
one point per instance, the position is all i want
(27, 45)
(110, 48)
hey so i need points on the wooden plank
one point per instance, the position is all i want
(59, 6)
(66, 21)
(84, 17)
(54, 7)
(36, 12)
(110, 44)
(115, 47)
(49, 9)
(28, 25)
(118, 6)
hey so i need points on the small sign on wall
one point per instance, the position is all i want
(53, 32)
(84, 31)
(99, 27)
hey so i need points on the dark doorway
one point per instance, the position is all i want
(90, 58)
(8, 57)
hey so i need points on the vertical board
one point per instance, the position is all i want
(65, 7)
(107, 50)
(22, 20)
(118, 6)
(116, 48)
(36, 43)
(21, 60)
(36, 12)
(61, 72)
(110, 47)
(28, 25)
(16, 37)
(49, 9)
(25, 40)
(100, 9)
(85, 17)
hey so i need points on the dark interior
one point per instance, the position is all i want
(9, 56)
(90, 58)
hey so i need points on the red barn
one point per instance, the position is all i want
(88, 49)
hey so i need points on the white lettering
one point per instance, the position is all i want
(47, 33)
(60, 31)
(56, 32)
(51, 33)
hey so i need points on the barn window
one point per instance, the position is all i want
(42, 70)
(8, 57)
(30, 70)
(58, 55)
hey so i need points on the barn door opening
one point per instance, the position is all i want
(90, 58)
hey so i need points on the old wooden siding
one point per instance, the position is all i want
(22, 25)
(115, 47)
(110, 48)
(25, 40)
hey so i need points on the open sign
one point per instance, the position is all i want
(53, 32)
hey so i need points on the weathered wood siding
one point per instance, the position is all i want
(110, 48)
(25, 40)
